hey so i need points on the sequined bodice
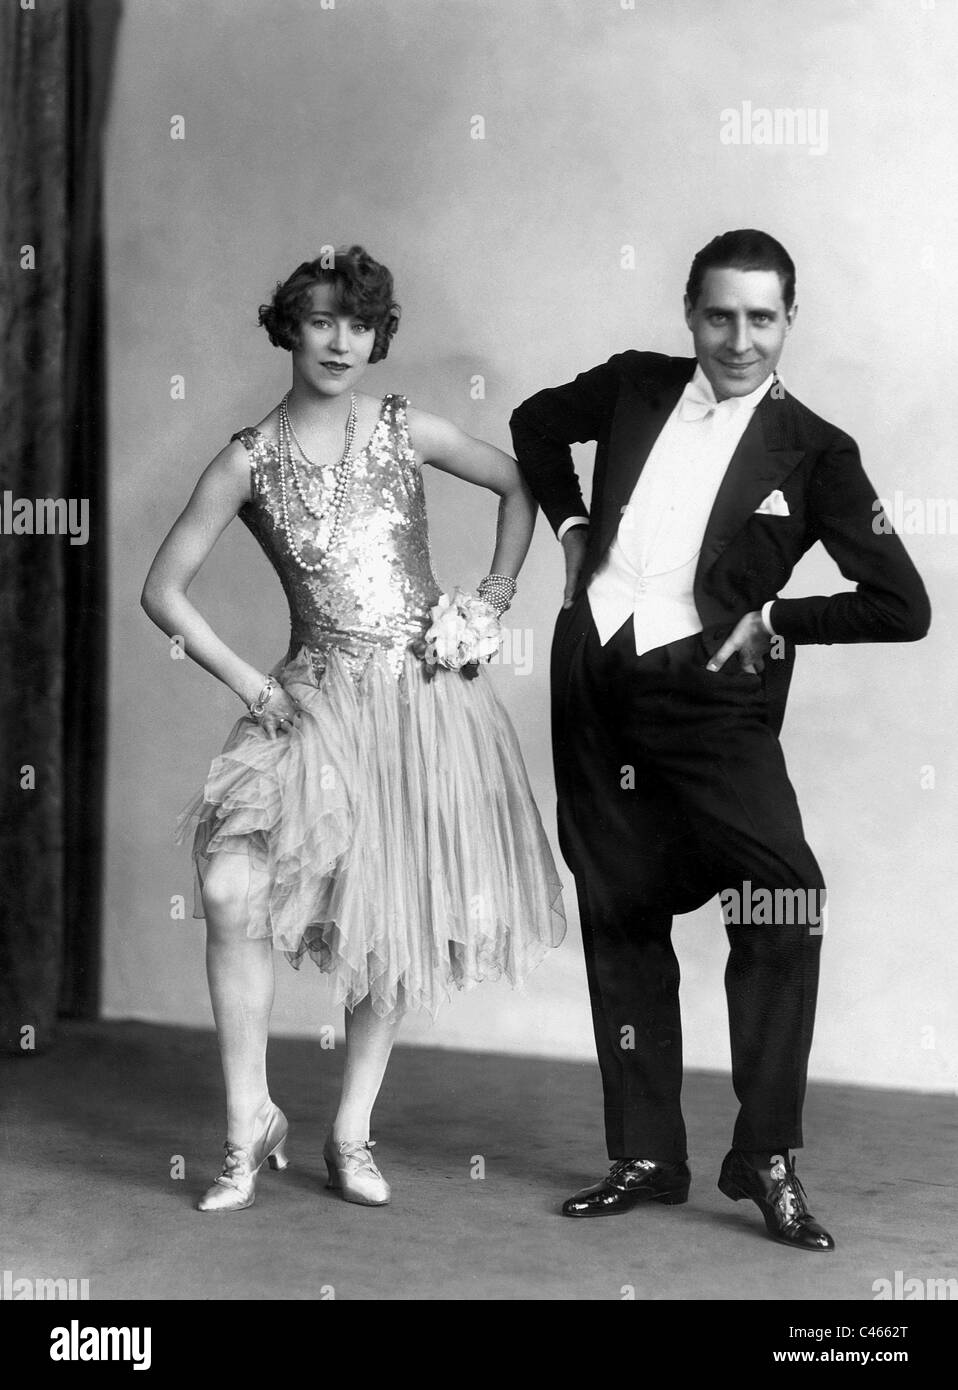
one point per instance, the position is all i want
(374, 587)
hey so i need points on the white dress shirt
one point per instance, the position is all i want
(649, 570)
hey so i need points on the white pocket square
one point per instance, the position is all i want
(774, 505)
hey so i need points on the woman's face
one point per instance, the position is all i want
(334, 348)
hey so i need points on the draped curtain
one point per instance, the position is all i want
(55, 61)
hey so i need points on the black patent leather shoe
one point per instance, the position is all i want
(779, 1196)
(630, 1181)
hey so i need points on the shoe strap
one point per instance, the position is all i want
(236, 1156)
(359, 1152)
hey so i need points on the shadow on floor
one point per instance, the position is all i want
(95, 1131)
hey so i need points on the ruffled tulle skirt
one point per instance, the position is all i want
(392, 835)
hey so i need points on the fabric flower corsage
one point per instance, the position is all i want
(465, 630)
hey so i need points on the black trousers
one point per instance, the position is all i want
(672, 788)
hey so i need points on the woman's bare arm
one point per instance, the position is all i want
(447, 447)
(222, 489)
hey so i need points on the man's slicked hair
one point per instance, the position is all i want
(746, 249)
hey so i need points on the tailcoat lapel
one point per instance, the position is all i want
(760, 463)
(641, 411)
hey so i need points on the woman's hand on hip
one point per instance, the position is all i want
(280, 714)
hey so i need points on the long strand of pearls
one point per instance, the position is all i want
(344, 472)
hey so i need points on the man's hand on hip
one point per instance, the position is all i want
(749, 637)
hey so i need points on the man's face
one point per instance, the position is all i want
(739, 327)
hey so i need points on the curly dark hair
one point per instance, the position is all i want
(362, 287)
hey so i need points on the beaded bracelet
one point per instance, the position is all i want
(262, 700)
(498, 590)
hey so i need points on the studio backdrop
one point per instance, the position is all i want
(538, 175)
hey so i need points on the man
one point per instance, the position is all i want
(670, 668)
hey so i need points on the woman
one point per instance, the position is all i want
(371, 810)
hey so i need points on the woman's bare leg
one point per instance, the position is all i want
(241, 981)
(369, 1041)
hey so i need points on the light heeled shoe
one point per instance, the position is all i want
(353, 1172)
(235, 1188)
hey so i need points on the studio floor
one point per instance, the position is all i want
(94, 1131)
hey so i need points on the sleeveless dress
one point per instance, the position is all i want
(392, 834)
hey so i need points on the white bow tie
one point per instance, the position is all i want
(695, 404)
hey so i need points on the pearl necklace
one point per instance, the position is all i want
(344, 472)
